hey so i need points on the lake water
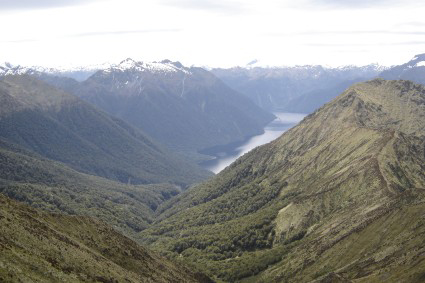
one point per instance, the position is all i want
(224, 155)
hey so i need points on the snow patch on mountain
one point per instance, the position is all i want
(420, 64)
(164, 67)
(9, 69)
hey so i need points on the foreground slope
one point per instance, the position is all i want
(41, 247)
(184, 108)
(53, 186)
(339, 197)
(62, 127)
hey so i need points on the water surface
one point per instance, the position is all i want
(224, 155)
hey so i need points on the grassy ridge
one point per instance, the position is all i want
(281, 212)
(40, 247)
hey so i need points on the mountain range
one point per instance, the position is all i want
(294, 89)
(76, 73)
(169, 102)
(62, 127)
(49, 141)
(414, 70)
(338, 198)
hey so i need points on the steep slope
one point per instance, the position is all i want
(185, 108)
(338, 197)
(41, 247)
(52, 186)
(294, 89)
(414, 70)
(62, 127)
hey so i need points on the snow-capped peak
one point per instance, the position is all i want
(127, 64)
(419, 57)
(8, 69)
(165, 66)
(417, 61)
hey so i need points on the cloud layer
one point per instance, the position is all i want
(362, 3)
(212, 32)
(220, 6)
(39, 4)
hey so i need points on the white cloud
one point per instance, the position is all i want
(39, 4)
(203, 33)
(220, 6)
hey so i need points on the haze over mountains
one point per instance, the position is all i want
(106, 162)
(294, 89)
(305, 88)
(169, 102)
(62, 127)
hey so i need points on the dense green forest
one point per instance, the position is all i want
(62, 127)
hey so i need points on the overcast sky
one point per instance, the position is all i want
(212, 33)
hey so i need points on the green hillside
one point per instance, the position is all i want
(339, 197)
(62, 127)
(54, 187)
(40, 247)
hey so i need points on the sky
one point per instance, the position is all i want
(214, 33)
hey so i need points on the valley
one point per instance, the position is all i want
(157, 172)
(312, 205)
(184, 141)
(224, 155)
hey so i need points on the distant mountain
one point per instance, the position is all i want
(187, 109)
(414, 70)
(76, 73)
(294, 89)
(40, 247)
(62, 127)
(338, 198)
(312, 100)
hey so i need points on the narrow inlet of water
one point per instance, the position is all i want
(224, 155)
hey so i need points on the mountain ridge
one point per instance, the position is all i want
(37, 246)
(292, 209)
(169, 102)
(297, 88)
(414, 70)
(61, 126)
